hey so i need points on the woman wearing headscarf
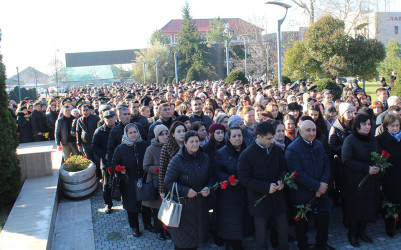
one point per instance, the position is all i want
(130, 154)
(189, 168)
(361, 201)
(216, 140)
(151, 166)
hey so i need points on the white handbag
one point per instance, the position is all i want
(170, 211)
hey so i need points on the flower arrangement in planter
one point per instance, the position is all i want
(78, 177)
(76, 163)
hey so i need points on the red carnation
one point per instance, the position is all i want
(223, 185)
(166, 227)
(232, 179)
(396, 218)
(296, 218)
(59, 148)
(84, 156)
(119, 168)
(157, 170)
(111, 171)
(386, 154)
(293, 174)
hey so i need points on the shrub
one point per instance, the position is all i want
(236, 75)
(76, 163)
(10, 177)
(284, 79)
(193, 74)
(327, 83)
(396, 90)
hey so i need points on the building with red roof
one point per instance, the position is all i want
(240, 27)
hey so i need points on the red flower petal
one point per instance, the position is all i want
(223, 185)
(396, 218)
(232, 179)
(296, 218)
(157, 170)
(84, 156)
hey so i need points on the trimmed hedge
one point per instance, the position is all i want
(236, 75)
(327, 83)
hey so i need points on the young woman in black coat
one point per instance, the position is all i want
(389, 140)
(190, 170)
(361, 203)
(233, 220)
(129, 154)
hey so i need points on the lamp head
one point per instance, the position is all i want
(284, 5)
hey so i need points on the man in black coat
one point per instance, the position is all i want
(63, 135)
(165, 119)
(307, 157)
(99, 147)
(260, 168)
(197, 113)
(117, 132)
(38, 122)
(86, 126)
(136, 117)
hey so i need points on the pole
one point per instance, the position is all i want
(246, 52)
(55, 66)
(228, 57)
(36, 84)
(157, 71)
(175, 65)
(144, 72)
(19, 88)
(279, 52)
(267, 63)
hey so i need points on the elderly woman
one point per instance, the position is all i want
(151, 165)
(233, 220)
(130, 154)
(390, 141)
(361, 201)
(190, 170)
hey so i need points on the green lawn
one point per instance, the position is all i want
(370, 89)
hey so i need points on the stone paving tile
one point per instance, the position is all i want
(112, 231)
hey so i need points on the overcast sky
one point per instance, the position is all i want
(34, 29)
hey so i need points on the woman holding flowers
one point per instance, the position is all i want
(233, 220)
(127, 162)
(151, 165)
(190, 170)
(390, 142)
(361, 201)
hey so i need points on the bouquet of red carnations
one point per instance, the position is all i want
(380, 161)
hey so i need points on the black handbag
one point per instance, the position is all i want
(146, 191)
(115, 189)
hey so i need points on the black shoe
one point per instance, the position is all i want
(167, 234)
(136, 232)
(390, 232)
(108, 209)
(327, 247)
(161, 236)
(353, 241)
(149, 227)
(274, 238)
(365, 238)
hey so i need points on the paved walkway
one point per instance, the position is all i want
(113, 232)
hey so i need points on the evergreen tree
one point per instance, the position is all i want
(215, 35)
(192, 47)
(393, 59)
(10, 172)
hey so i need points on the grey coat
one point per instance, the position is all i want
(151, 161)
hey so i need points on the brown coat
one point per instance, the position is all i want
(151, 161)
(169, 150)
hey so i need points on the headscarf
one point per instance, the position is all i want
(127, 141)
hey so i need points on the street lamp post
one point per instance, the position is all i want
(36, 83)
(227, 31)
(19, 88)
(246, 54)
(157, 71)
(144, 72)
(280, 22)
(175, 66)
(55, 66)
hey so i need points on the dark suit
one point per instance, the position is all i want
(312, 165)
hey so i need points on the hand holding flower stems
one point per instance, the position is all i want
(206, 190)
(303, 210)
(380, 164)
(288, 180)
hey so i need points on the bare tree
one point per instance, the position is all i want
(309, 7)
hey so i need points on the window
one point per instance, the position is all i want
(396, 30)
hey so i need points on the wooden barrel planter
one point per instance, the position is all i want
(78, 184)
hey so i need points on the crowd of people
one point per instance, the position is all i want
(246, 137)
